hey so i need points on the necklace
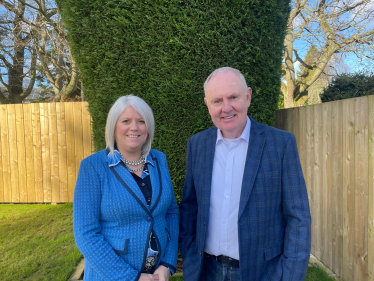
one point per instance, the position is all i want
(135, 170)
(141, 160)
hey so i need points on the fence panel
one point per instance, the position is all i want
(336, 147)
(41, 147)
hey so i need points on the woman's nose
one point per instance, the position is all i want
(134, 126)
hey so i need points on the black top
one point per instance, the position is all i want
(145, 186)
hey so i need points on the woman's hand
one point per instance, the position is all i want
(148, 277)
(163, 273)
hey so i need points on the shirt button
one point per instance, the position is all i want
(143, 184)
(224, 221)
(227, 196)
(229, 173)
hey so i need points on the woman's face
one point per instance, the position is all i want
(130, 132)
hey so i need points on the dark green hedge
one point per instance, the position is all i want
(164, 50)
(347, 86)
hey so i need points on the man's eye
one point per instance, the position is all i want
(216, 101)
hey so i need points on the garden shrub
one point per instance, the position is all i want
(164, 50)
(347, 86)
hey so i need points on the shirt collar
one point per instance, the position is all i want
(244, 136)
(116, 157)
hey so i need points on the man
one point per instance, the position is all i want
(245, 211)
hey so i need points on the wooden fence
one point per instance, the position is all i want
(336, 147)
(41, 147)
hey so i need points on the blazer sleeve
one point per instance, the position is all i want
(87, 229)
(188, 208)
(172, 218)
(297, 241)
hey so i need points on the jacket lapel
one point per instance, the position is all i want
(156, 181)
(254, 154)
(128, 182)
(207, 166)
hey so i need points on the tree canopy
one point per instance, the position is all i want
(34, 49)
(335, 28)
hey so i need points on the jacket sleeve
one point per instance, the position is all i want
(87, 229)
(297, 241)
(188, 210)
(172, 218)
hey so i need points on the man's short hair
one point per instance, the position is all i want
(224, 69)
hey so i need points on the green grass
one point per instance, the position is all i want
(317, 274)
(313, 274)
(37, 242)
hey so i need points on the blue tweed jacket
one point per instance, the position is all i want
(112, 221)
(274, 217)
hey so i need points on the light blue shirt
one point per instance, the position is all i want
(228, 168)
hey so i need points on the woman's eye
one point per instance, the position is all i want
(125, 121)
(142, 121)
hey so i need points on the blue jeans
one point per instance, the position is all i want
(215, 271)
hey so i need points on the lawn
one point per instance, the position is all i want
(37, 243)
(313, 274)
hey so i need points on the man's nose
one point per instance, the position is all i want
(226, 106)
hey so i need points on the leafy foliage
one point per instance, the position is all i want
(347, 86)
(164, 50)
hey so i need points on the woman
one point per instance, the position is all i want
(125, 214)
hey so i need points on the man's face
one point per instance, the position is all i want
(228, 103)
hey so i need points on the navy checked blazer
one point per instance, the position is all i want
(274, 218)
(112, 222)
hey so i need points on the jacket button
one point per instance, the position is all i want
(148, 218)
(201, 253)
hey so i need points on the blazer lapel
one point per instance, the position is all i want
(156, 181)
(129, 184)
(207, 166)
(254, 153)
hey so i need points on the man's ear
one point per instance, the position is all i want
(249, 95)
(206, 102)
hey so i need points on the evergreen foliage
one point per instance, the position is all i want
(347, 86)
(164, 50)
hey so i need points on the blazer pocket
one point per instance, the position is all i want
(273, 250)
(120, 246)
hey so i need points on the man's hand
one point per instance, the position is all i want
(148, 277)
(163, 273)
